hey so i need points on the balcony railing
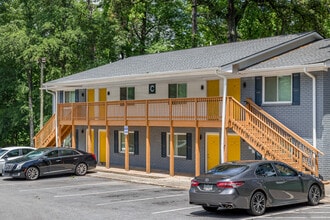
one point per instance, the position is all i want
(186, 109)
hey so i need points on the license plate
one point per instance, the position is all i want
(208, 187)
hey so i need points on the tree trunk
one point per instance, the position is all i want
(231, 20)
(29, 78)
(194, 23)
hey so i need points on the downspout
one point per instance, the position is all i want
(54, 94)
(314, 104)
(224, 97)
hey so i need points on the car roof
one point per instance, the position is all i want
(17, 147)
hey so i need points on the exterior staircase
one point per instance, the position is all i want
(46, 137)
(270, 137)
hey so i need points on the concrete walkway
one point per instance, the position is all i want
(161, 179)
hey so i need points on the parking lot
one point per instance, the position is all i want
(94, 197)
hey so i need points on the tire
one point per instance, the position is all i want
(210, 208)
(257, 204)
(81, 169)
(314, 195)
(32, 173)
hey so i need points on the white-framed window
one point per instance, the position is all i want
(127, 93)
(70, 96)
(180, 144)
(277, 89)
(122, 142)
(177, 90)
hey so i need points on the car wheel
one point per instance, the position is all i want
(32, 173)
(314, 195)
(210, 208)
(81, 169)
(257, 204)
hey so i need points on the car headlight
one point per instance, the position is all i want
(19, 166)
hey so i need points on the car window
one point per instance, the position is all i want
(228, 169)
(53, 153)
(26, 151)
(265, 170)
(284, 170)
(67, 152)
(2, 152)
(13, 153)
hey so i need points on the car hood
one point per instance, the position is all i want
(22, 159)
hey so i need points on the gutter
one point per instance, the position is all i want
(314, 104)
(54, 94)
(224, 105)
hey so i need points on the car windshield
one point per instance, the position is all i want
(2, 152)
(37, 153)
(228, 169)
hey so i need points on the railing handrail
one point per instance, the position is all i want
(265, 124)
(281, 126)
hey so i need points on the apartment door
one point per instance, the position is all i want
(213, 107)
(102, 145)
(91, 98)
(212, 150)
(233, 140)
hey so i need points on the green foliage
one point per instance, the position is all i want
(75, 35)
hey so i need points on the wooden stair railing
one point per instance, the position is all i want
(270, 141)
(298, 141)
(46, 137)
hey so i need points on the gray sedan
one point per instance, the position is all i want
(254, 186)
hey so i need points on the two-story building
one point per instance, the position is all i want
(188, 110)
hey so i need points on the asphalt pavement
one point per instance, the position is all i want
(161, 179)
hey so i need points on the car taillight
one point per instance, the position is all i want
(93, 155)
(233, 184)
(194, 183)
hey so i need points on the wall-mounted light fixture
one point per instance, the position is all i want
(202, 87)
(82, 131)
(108, 92)
(244, 84)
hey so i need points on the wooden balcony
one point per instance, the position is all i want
(187, 112)
(260, 130)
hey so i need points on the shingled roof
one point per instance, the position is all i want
(311, 54)
(222, 56)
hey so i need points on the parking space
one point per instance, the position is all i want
(90, 197)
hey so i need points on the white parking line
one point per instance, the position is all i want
(142, 199)
(175, 210)
(105, 192)
(74, 185)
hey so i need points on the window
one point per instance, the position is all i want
(180, 145)
(265, 170)
(284, 170)
(122, 142)
(119, 142)
(177, 90)
(278, 89)
(127, 93)
(13, 153)
(70, 96)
